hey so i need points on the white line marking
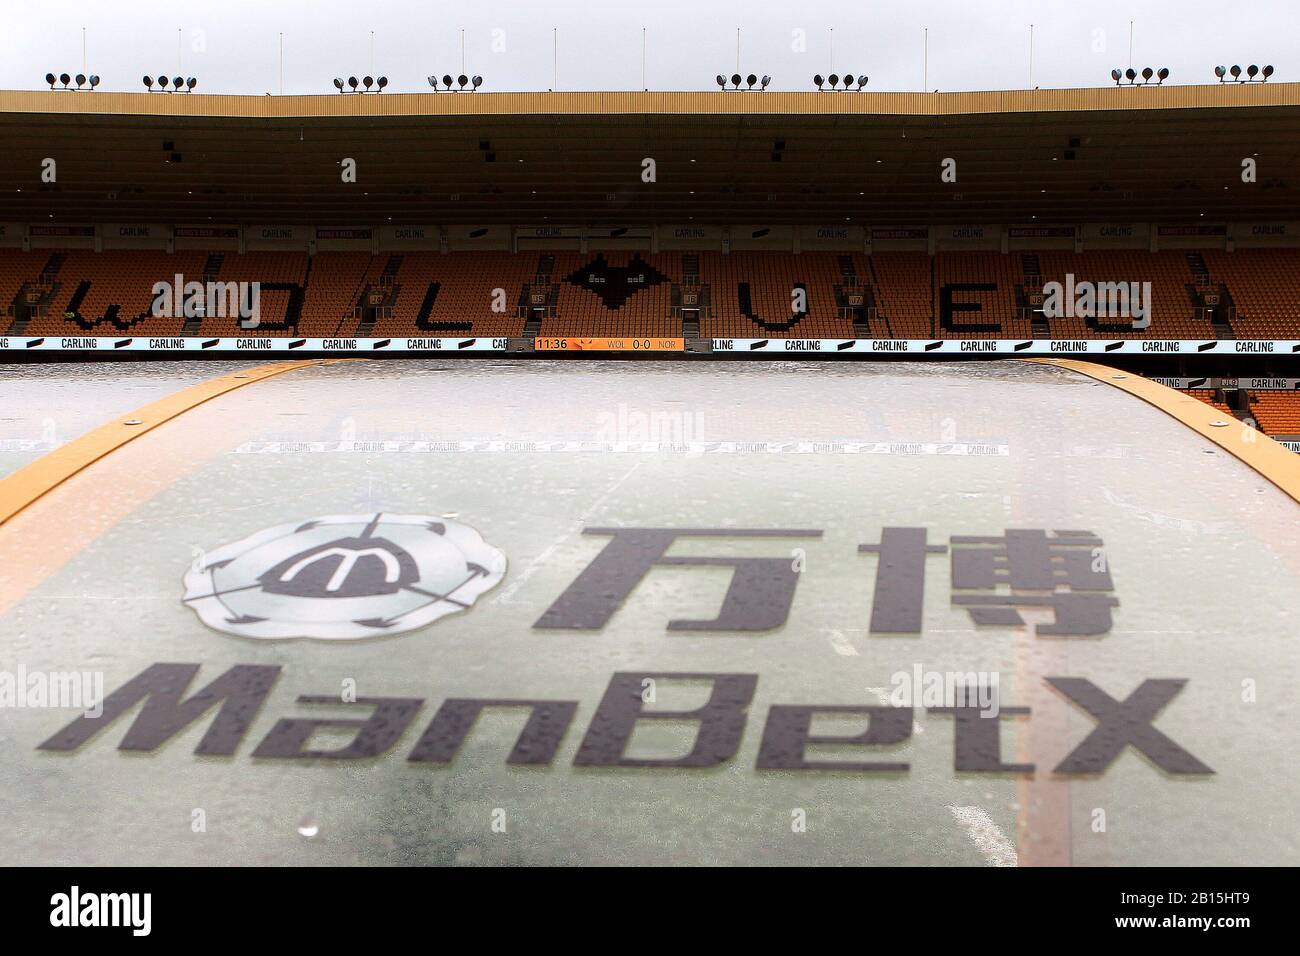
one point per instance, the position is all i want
(841, 644)
(537, 562)
(986, 835)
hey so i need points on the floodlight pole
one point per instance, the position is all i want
(1031, 56)
(925, 61)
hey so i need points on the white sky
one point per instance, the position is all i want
(231, 46)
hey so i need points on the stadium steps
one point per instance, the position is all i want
(1029, 296)
(881, 311)
(691, 279)
(358, 296)
(862, 322)
(526, 310)
(52, 267)
(211, 272)
(860, 314)
(23, 309)
(1238, 402)
(1203, 284)
(1221, 319)
(366, 313)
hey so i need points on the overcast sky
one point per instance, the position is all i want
(231, 46)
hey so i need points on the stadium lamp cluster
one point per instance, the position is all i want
(370, 84)
(1131, 75)
(749, 80)
(834, 81)
(1254, 74)
(463, 81)
(83, 82)
(179, 84)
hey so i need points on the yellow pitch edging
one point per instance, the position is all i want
(30, 482)
(1275, 462)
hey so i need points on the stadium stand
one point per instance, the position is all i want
(1278, 413)
(745, 294)
(1173, 313)
(1274, 412)
(1211, 397)
(611, 294)
(1265, 290)
(904, 293)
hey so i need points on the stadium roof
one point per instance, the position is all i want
(1170, 153)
